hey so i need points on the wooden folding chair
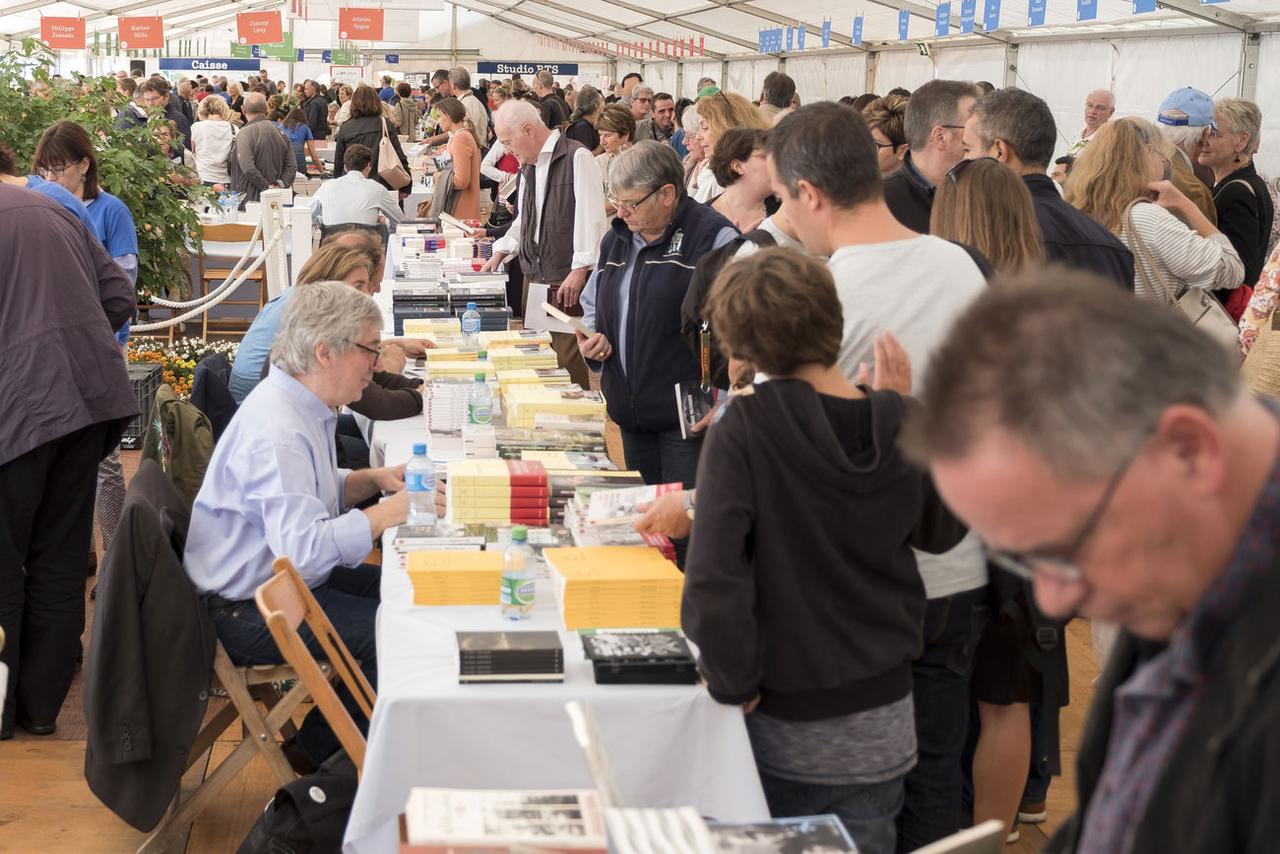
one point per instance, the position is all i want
(245, 688)
(228, 233)
(285, 603)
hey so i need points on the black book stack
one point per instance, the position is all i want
(510, 657)
(639, 657)
(417, 302)
(492, 318)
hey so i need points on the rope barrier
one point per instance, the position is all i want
(223, 291)
(164, 303)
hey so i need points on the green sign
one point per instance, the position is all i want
(241, 51)
(343, 56)
(282, 51)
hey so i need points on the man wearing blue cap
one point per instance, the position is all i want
(1184, 119)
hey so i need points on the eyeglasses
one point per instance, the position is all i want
(893, 145)
(377, 354)
(631, 206)
(1064, 567)
(56, 172)
(643, 100)
(956, 171)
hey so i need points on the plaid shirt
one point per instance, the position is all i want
(1153, 708)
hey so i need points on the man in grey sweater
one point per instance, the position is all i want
(262, 156)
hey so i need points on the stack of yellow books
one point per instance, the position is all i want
(416, 326)
(615, 587)
(458, 370)
(455, 578)
(512, 337)
(451, 354)
(532, 376)
(525, 402)
(522, 357)
(497, 492)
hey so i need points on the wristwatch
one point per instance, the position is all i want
(688, 503)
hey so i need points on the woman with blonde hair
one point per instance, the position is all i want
(1240, 194)
(211, 137)
(982, 203)
(464, 149)
(717, 114)
(344, 105)
(1121, 179)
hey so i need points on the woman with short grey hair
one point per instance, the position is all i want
(582, 124)
(633, 300)
(1245, 211)
(274, 489)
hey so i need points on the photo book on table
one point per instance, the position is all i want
(515, 656)
(639, 656)
(445, 821)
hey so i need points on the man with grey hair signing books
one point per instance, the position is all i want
(1136, 482)
(274, 489)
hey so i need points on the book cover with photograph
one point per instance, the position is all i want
(619, 506)
(693, 403)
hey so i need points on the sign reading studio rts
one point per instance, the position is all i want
(560, 69)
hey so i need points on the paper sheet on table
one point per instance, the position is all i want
(535, 317)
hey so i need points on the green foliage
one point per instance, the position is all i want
(130, 163)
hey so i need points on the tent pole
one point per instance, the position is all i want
(453, 35)
(1010, 65)
(1249, 66)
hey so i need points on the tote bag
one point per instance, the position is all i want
(389, 168)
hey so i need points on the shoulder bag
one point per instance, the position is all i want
(389, 168)
(1197, 305)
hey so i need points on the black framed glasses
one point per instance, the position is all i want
(377, 354)
(1063, 567)
(631, 206)
(892, 145)
(956, 171)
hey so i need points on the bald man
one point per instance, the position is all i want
(1099, 107)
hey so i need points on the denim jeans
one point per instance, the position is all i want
(868, 811)
(940, 688)
(349, 598)
(663, 457)
(1038, 776)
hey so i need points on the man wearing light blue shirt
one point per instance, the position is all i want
(273, 490)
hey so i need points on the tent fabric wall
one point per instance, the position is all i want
(695, 71)
(1147, 70)
(830, 79)
(661, 76)
(1269, 101)
(970, 63)
(747, 76)
(902, 68)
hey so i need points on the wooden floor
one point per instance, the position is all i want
(46, 806)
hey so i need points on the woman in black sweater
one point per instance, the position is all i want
(365, 127)
(801, 589)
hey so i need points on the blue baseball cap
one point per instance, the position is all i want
(1187, 108)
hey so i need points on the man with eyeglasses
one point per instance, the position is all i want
(1017, 128)
(556, 231)
(823, 166)
(1135, 482)
(933, 126)
(662, 123)
(274, 489)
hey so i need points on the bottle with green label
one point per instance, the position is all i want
(518, 575)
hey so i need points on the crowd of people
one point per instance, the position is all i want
(947, 351)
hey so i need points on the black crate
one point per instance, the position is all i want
(145, 379)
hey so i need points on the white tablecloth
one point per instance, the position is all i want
(668, 745)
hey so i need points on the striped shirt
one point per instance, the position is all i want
(1179, 256)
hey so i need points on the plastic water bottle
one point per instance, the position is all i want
(517, 576)
(471, 324)
(420, 483)
(480, 401)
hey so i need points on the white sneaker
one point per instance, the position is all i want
(1013, 837)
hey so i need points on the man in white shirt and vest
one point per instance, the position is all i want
(557, 230)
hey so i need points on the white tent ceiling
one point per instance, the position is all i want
(729, 27)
